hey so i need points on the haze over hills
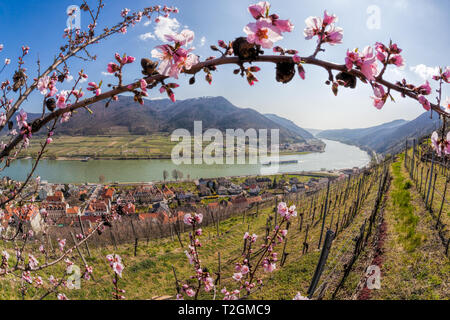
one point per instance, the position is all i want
(388, 137)
(288, 124)
(127, 117)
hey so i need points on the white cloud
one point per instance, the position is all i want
(424, 72)
(202, 41)
(107, 74)
(165, 26)
(147, 23)
(69, 78)
(146, 36)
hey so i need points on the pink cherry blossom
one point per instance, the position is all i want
(183, 38)
(425, 103)
(381, 51)
(62, 296)
(94, 88)
(7, 61)
(32, 261)
(245, 269)
(283, 25)
(62, 244)
(2, 119)
(187, 218)
(237, 276)
(43, 84)
(269, 267)
(334, 35)
(65, 117)
(380, 96)
(262, 33)
(61, 99)
(286, 212)
(143, 85)
(313, 27)
(190, 292)
(324, 28)
(175, 59)
(259, 10)
(112, 67)
(124, 12)
(435, 143)
(397, 60)
(26, 276)
(329, 19)
(351, 59)
(368, 63)
(446, 75)
(365, 62)
(21, 119)
(115, 262)
(78, 93)
(424, 89)
(282, 209)
(1, 47)
(198, 218)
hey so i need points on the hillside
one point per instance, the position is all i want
(163, 116)
(385, 138)
(288, 124)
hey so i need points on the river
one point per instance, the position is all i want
(336, 156)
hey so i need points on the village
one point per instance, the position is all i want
(159, 203)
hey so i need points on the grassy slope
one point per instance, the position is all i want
(414, 265)
(150, 273)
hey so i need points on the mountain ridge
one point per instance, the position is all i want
(385, 138)
(125, 116)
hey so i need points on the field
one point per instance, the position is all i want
(106, 147)
(156, 146)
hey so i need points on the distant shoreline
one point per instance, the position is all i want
(140, 158)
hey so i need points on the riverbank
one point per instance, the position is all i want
(164, 157)
(337, 156)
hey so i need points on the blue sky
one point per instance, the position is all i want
(418, 26)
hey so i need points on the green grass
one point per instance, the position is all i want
(404, 210)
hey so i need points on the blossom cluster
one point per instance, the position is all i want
(440, 146)
(324, 28)
(268, 28)
(192, 220)
(286, 212)
(364, 60)
(202, 276)
(175, 58)
(115, 262)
